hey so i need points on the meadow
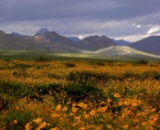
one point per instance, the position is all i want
(79, 95)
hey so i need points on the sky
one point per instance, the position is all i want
(131, 20)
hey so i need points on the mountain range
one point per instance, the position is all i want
(150, 44)
(51, 41)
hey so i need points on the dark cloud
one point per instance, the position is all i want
(110, 17)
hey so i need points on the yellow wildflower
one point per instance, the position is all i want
(86, 116)
(74, 109)
(134, 104)
(38, 120)
(109, 100)
(109, 126)
(82, 128)
(41, 125)
(125, 127)
(64, 109)
(15, 121)
(102, 109)
(120, 103)
(55, 128)
(82, 105)
(144, 123)
(126, 103)
(54, 115)
(58, 107)
(28, 126)
(116, 95)
(92, 112)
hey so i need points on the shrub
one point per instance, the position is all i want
(16, 90)
(39, 91)
(150, 74)
(23, 66)
(42, 58)
(16, 120)
(79, 92)
(70, 65)
(97, 62)
(86, 76)
(142, 62)
(5, 102)
(7, 59)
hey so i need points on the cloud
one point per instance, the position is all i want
(153, 30)
(139, 26)
(115, 18)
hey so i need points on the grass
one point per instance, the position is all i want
(79, 94)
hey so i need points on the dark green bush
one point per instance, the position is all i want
(22, 66)
(42, 58)
(141, 61)
(5, 102)
(97, 62)
(79, 92)
(22, 117)
(15, 90)
(70, 65)
(39, 91)
(54, 76)
(149, 74)
(22, 73)
(45, 89)
(86, 76)
(7, 59)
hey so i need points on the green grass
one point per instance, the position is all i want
(43, 56)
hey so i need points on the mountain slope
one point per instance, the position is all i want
(95, 43)
(150, 45)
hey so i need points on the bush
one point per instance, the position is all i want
(38, 92)
(142, 62)
(97, 62)
(86, 76)
(22, 66)
(42, 58)
(150, 74)
(16, 120)
(70, 65)
(5, 102)
(12, 89)
(79, 92)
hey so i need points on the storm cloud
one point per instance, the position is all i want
(129, 19)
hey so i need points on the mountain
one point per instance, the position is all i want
(150, 44)
(121, 42)
(122, 51)
(100, 46)
(42, 31)
(95, 43)
(74, 39)
(52, 37)
(16, 34)
(12, 42)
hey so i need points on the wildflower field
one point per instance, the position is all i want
(79, 95)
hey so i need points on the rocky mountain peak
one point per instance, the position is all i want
(1, 32)
(42, 31)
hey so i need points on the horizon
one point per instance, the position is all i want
(80, 37)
